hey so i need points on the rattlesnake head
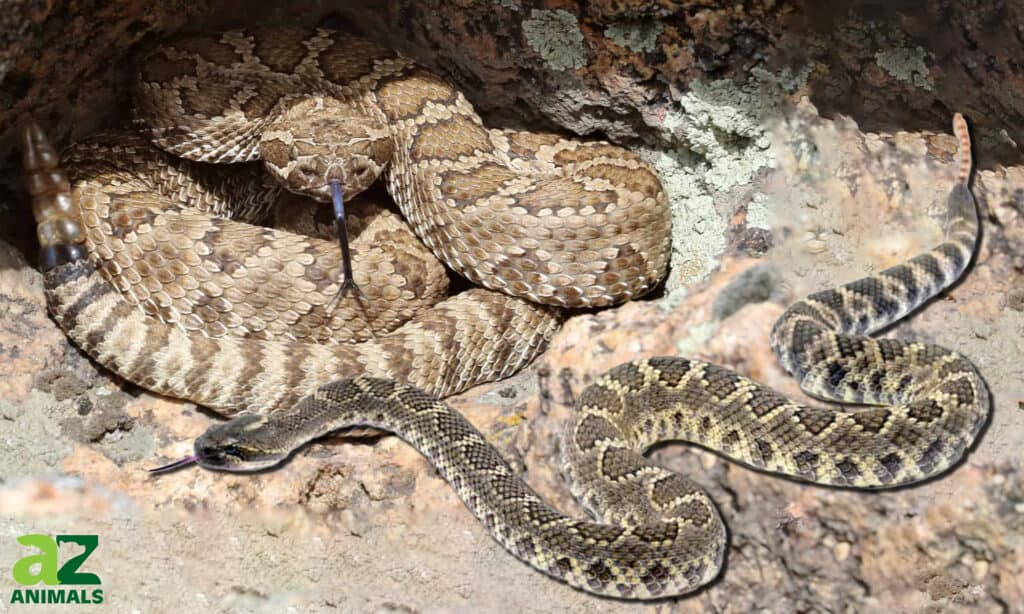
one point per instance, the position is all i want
(317, 140)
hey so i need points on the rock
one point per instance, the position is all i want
(770, 201)
(30, 343)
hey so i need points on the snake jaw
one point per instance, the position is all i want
(217, 459)
(239, 445)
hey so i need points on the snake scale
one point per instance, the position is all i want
(535, 216)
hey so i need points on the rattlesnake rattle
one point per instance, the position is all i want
(660, 535)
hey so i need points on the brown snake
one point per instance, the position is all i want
(658, 533)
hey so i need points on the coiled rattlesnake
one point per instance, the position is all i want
(591, 239)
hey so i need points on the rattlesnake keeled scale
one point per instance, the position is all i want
(583, 231)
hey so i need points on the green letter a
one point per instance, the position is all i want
(47, 559)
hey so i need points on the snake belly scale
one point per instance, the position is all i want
(656, 533)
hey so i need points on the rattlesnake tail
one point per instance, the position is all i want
(962, 222)
(836, 318)
(931, 404)
(58, 225)
(963, 136)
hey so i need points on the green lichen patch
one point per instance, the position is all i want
(556, 37)
(727, 123)
(757, 212)
(698, 230)
(725, 134)
(907, 65)
(640, 36)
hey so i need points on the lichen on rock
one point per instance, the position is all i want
(640, 36)
(556, 36)
(724, 135)
(906, 64)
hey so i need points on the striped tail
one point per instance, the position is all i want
(58, 225)
(826, 319)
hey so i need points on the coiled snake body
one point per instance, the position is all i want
(538, 217)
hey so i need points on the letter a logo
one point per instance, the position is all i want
(46, 559)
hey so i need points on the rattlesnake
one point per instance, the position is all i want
(659, 534)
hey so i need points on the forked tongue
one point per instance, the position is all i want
(188, 460)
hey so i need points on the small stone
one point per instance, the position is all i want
(980, 569)
(708, 461)
(815, 246)
(842, 551)
(983, 329)
(355, 525)
(1015, 300)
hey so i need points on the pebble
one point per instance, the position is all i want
(980, 569)
(842, 551)
(813, 242)
(354, 525)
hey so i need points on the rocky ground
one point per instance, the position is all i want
(770, 201)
